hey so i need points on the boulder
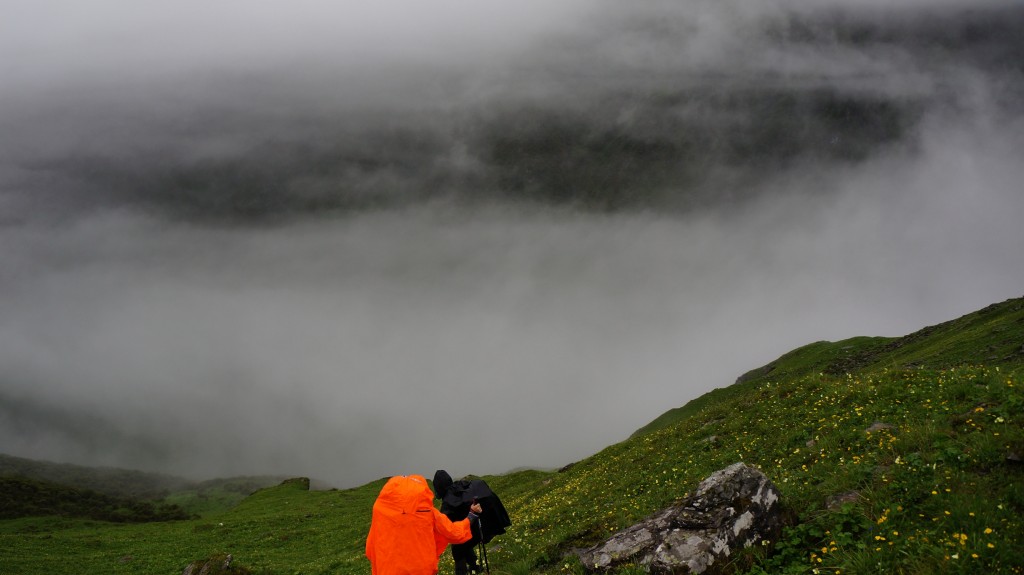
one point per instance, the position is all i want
(733, 508)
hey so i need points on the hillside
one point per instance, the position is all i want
(121, 488)
(993, 336)
(922, 436)
(21, 497)
(125, 483)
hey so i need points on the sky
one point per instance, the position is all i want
(343, 241)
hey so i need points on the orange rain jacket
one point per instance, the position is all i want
(407, 534)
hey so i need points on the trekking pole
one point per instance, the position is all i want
(483, 546)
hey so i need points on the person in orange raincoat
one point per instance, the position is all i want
(407, 534)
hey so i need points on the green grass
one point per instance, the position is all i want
(283, 529)
(218, 495)
(990, 336)
(938, 491)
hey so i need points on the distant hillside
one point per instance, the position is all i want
(217, 495)
(21, 497)
(136, 485)
(993, 336)
(110, 481)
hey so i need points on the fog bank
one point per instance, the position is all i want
(352, 242)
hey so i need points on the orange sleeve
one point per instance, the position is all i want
(446, 531)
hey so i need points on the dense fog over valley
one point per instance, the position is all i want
(346, 242)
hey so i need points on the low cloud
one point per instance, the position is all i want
(478, 260)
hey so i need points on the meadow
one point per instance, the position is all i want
(896, 465)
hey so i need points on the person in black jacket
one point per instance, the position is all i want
(456, 498)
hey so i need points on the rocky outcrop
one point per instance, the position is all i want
(733, 508)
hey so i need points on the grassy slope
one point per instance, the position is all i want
(20, 497)
(106, 480)
(218, 495)
(283, 529)
(194, 497)
(940, 492)
(991, 336)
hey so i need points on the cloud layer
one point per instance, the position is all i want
(350, 242)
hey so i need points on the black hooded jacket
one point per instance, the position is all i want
(457, 496)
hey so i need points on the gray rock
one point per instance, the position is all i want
(834, 502)
(879, 426)
(215, 565)
(733, 508)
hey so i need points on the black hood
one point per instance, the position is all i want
(442, 482)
